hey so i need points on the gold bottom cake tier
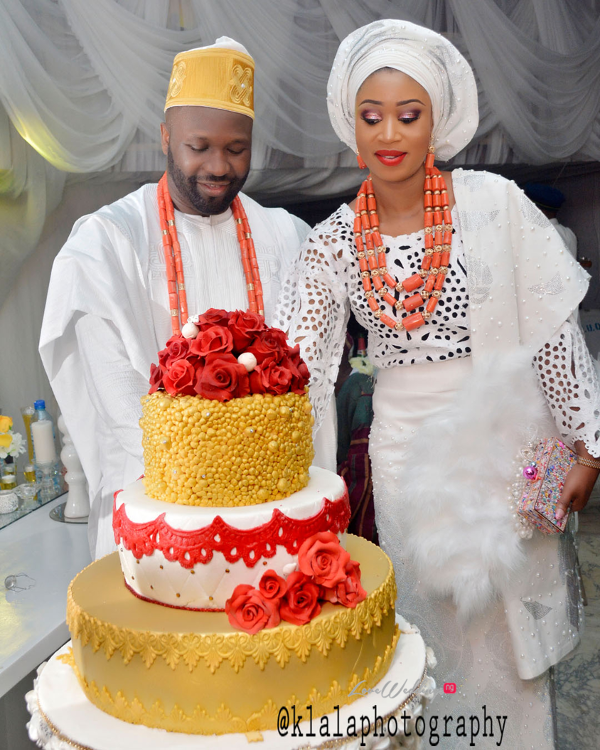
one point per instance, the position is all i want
(192, 672)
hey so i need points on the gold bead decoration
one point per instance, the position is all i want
(202, 452)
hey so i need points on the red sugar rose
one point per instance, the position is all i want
(349, 592)
(245, 327)
(256, 380)
(222, 378)
(179, 378)
(299, 370)
(271, 343)
(272, 586)
(156, 378)
(212, 341)
(212, 318)
(276, 379)
(177, 347)
(301, 602)
(247, 610)
(322, 557)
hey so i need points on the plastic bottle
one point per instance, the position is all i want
(42, 415)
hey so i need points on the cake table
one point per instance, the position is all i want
(62, 718)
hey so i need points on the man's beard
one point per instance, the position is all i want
(188, 189)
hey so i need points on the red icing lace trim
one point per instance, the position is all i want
(191, 547)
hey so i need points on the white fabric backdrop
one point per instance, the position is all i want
(83, 81)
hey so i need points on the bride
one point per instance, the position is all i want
(468, 295)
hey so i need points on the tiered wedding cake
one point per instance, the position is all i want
(267, 602)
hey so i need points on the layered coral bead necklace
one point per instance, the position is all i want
(174, 264)
(375, 275)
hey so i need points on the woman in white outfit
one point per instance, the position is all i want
(464, 382)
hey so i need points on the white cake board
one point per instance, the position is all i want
(63, 718)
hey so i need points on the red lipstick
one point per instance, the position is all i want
(390, 158)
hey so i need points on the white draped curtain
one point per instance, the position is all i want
(83, 82)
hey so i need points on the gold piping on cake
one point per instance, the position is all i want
(67, 658)
(278, 643)
(224, 721)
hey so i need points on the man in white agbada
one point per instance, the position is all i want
(108, 312)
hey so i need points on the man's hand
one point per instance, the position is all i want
(577, 490)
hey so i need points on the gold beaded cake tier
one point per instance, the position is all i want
(192, 672)
(240, 452)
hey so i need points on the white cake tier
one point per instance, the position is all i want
(194, 557)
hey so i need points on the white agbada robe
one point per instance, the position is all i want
(107, 315)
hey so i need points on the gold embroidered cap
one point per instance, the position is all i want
(219, 76)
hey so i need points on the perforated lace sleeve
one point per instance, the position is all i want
(313, 309)
(569, 381)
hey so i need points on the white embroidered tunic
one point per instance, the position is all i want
(107, 315)
(325, 283)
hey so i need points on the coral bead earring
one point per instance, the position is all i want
(361, 163)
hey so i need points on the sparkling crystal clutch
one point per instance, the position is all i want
(546, 467)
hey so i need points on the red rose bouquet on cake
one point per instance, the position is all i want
(223, 355)
(326, 574)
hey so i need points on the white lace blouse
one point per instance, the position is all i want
(324, 284)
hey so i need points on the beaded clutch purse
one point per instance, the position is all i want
(544, 475)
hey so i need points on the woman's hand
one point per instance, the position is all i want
(578, 488)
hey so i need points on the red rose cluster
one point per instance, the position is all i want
(207, 365)
(326, 574)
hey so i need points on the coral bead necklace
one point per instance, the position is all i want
(375, 275)
(174, 264)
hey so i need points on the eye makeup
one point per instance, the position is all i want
(370, 117)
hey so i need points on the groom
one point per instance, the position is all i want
(108, 310)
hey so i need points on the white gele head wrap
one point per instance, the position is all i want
(422, 54)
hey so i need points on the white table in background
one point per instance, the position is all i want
(32, 621)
